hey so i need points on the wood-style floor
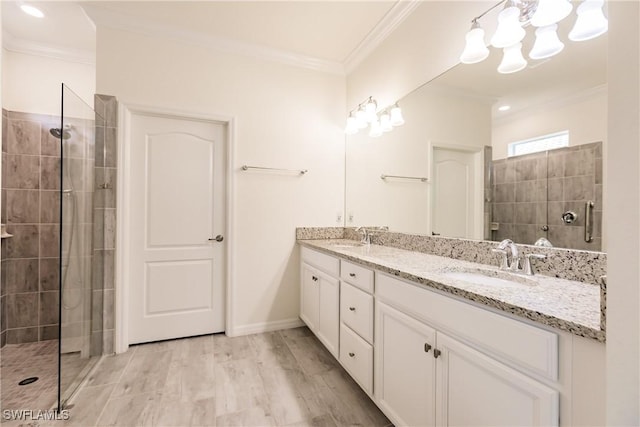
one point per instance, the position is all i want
(283, 378)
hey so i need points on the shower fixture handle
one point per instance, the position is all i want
(218, 238)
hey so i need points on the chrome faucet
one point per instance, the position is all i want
(503, 247)
(366, 236)
(508, 245)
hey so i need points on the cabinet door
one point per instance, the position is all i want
(475, 390)
(310, 297)
(329, 313)
(404, 379)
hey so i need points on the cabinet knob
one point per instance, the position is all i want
(352, 355)
(352, 274)
(436, 353)
(352, 309)
(427, 347)
(314, 278)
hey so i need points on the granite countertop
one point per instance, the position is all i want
(564, 304)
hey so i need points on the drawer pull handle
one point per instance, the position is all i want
(352, 355)
(352, 309)
(427, 347)
(436, 353)
(352, 274)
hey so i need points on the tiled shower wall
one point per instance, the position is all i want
(105, 211)
(534, 190)
(30, 210)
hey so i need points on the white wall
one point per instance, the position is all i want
(431, 115)
(286, 117)
(623, 206)
(31, 83)
(585, 117)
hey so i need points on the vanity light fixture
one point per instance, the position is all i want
(31, 10)
(366, 114)
(475, 50)
(396, 116)
(509, 31)
(543, 14)
(512, 61)
(591, 21)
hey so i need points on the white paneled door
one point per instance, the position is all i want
(453, 193)
(177, 222)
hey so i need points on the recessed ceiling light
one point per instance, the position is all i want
(504, 108)
(32, 11)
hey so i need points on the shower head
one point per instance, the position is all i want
(60, 134)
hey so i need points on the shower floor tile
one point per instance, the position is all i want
(20, 361)
(38, 359)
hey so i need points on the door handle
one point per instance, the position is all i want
(218, 238)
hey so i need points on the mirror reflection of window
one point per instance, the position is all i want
(539, 144)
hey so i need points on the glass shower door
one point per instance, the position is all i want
(80, 304)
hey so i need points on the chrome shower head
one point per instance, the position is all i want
(60, 134)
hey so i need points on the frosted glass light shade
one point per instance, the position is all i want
(352, 125)
(375, 130)
(396, 116)
(474, 50)
(550, 11)
(512, 61)
(385, 122)
(370, 110)
(509, 31)
(361, 118)
(547, 43)
(591, 21)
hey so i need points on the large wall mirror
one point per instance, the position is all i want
(449, 168)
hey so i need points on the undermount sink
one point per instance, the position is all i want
(494, 278)
(344, 244)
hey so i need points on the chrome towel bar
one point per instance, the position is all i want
(298, 171)
(416, 178)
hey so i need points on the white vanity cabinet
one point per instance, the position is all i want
(473, 389)
(432, 359)
(320, 297)
(405, 368)
(425, 377)
(356, 318)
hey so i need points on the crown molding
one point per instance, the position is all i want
(103, 17)
(393, 18)
(14, 44)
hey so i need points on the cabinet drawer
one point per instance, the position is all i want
(356, 310)
(510, 340)
(326, 263)
(357, 276)
(356, 356)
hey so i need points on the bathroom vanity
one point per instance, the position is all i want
(439, 341)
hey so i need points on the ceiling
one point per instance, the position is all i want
(326, 30)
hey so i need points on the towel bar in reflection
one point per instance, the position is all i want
(298, 171)
(413, 178)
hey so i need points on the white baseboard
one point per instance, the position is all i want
(256, 328)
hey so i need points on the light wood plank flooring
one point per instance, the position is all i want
(283, 378)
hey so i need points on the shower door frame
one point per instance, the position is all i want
(125, 112)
